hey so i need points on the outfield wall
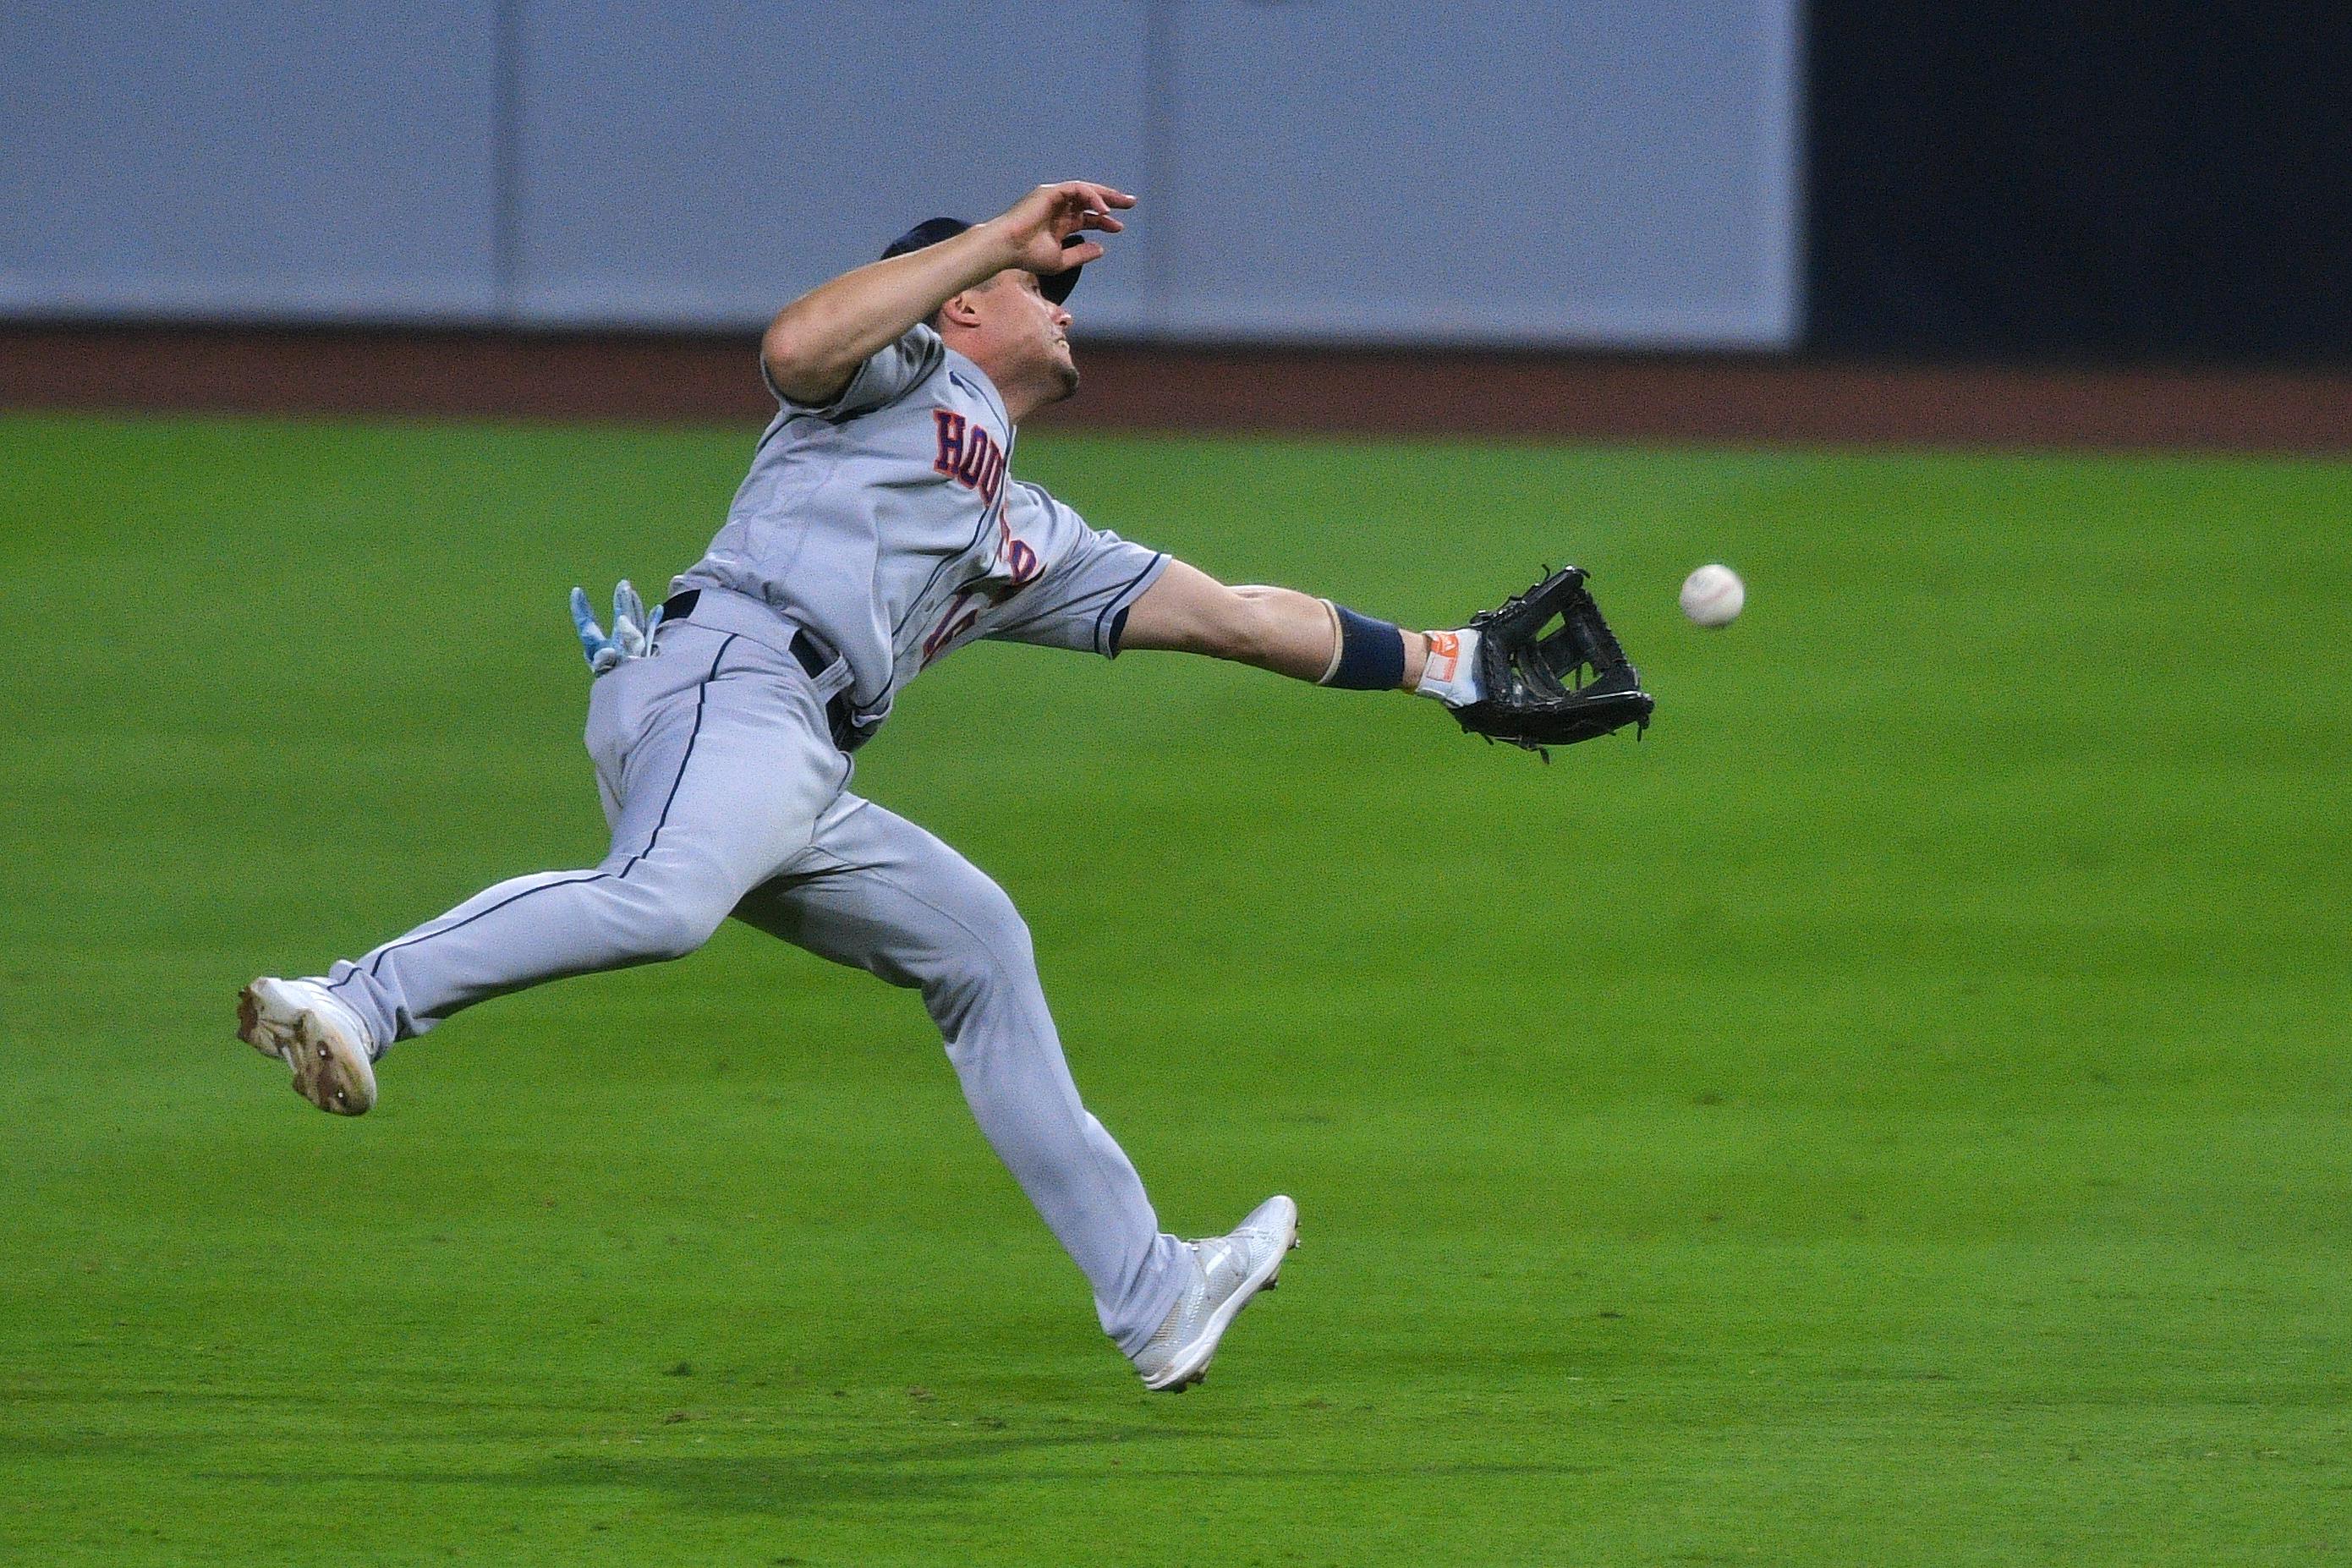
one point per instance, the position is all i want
(1506, 171)
(1891, 180)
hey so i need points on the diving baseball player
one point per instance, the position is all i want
(881, 528)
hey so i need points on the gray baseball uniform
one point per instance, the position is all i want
(872, 536)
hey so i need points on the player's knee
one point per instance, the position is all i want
(984, 941)
(672, 927)
(674, 934)
(666, 905)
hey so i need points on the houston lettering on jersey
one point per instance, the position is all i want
(969, 455)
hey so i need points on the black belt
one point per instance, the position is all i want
(813, 657)
(812, 653)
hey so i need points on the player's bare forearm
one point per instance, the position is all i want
(1280, 629)
(816, 343)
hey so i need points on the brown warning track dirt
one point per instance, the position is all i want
(1373, 391)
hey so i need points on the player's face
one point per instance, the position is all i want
(1023, 336)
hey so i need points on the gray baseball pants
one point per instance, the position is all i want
(726, 795)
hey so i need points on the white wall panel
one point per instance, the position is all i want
(1502, 171)
(241, 159)
(703, 163)
(1494, 172)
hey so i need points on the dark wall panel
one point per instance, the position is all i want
(2165, 181)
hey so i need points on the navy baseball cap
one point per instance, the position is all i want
(1055, 287)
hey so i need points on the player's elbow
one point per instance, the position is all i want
(802, 366)
(1246, 625)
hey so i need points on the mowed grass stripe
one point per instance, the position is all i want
(1895, 1113)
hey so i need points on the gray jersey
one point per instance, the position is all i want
(887, 522)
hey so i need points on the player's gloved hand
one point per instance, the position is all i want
(1542, 669)
(633, 629)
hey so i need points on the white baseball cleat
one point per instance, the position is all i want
(1228, 1271)
(313, 1032)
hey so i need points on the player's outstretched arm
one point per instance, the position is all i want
(816, 343)
(1293, 634)
(1542, 669)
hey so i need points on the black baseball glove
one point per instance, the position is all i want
(1552, 670)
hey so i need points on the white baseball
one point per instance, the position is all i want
(1713, 595)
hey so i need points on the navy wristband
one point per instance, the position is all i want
(1371, 654)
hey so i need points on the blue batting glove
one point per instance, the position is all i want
(602, 652)
(633, 628)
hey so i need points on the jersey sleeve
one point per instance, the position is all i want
(1089, 579)
(888, 374)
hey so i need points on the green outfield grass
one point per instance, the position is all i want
(1899, 1114)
